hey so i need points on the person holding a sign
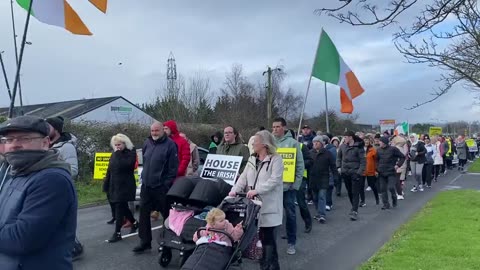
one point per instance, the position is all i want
(263, 176)
(120, 183)
(232, 145)
(351, 165)
(292, 176)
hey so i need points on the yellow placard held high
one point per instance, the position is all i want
(434, 131)
(289, 156)
(101, 165)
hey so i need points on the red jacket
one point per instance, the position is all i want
(183, 148)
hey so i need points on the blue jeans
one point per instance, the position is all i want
(289, 197)
(320, 199)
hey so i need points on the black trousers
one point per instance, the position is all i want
(151, 199)
(427, 173)
(338, 185)
(352, 183)
(302, 204)
(387, 183)
(122, 211)
(398, 184)
(372, 183)
(112, 208)
(462, 162)
(267, 236)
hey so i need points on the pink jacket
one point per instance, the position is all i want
(226, 226)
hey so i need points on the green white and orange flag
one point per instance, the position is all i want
(60, 13)
(330, 67)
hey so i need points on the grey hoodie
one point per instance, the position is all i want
(287, 141)
(68, 153)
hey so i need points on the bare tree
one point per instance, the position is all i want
(429, 39)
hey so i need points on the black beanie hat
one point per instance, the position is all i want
(384, 140)
(349, 133)
(56, 122)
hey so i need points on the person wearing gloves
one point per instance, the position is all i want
(263, 176)
(388, 160)
(283, 139)
(351, 165)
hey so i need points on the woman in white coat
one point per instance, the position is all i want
(437, 158)
(263, 176)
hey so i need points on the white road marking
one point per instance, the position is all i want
(455, 179)
(133, 234)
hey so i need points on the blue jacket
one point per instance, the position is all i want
(38, 219)
(160, 162)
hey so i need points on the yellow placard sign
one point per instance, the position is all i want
(101, 165)
(289, 156)
(434, 131)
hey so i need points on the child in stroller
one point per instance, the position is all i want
(216, 220)
(217, 253)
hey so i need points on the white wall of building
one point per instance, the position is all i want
(116, 112)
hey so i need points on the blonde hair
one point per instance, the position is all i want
(215, 215)
(123, 139)
(268, 141)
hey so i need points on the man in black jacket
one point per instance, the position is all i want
(351, 165)
(389, 159)
(323, 164)
(160, 164)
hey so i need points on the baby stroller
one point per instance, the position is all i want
(190, 197)
(211, 256)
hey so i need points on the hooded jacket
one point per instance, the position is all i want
(417, 151)
(371, 161)
(212, 148)
(351, 158)
(183, 148)
(287, 141)
(68, 153)
(38, 213)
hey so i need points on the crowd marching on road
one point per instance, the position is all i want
(38, 163)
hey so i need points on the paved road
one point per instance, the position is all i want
(339, 244)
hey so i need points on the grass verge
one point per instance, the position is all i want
(443, 235)
(90, 192)
(475, 166)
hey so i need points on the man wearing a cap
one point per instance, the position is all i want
(38, 204)
(351, 165)
(307, 136)
(64, 142)
(389, 159)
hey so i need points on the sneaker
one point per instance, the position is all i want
(77, 251)
(368, 188)
(134, 227)
(420, 188)
(322, 220)
(111, 221)
(445, 172)
(362, 204)
(353, 216)
(409, 173)
(414, 189)
(310, 202)
(400, 197)
(308, 228)
(142, 248)
(429, 186)
(385, 207)
(291, 250)
(316, 217)
(328, 208)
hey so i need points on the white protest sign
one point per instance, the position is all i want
(221, 166)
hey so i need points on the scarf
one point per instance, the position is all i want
(24, 162)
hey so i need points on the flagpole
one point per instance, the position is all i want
(326, 109)
(19, 66)
(5, 76)
(308, 86)
(16, 53)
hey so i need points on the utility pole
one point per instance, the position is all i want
(5, 75)
(270, 94)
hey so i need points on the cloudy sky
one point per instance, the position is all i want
(211, 35)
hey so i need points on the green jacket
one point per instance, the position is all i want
(288, 142)
(235, 149)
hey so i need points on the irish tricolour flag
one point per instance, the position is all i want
(330, 67)
(60, 13)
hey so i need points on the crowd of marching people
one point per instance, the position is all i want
(38, 163)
